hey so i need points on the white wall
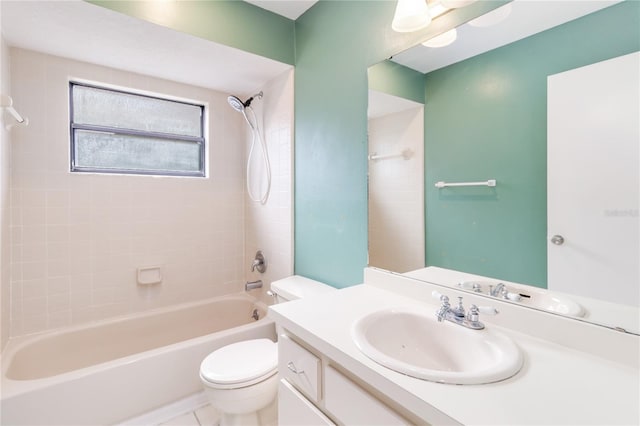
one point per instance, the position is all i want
(5, 153)
(269, 227)
(78, 238)
(396, 192)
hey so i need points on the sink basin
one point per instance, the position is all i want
(552, 302)
(416, 344)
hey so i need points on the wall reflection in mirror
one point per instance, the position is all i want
(548, 107)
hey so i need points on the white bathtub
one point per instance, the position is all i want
(109, 371)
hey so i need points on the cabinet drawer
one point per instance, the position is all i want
(299, 366)
(295, 410)
(352, 405)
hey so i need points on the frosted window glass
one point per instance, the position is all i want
(118, 132)
(107, 151)
(102, 107)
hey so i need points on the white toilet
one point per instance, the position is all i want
(241, 379)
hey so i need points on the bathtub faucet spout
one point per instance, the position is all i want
(251, 285)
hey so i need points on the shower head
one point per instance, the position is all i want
(238, 105)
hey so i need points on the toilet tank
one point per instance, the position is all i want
(297, 287)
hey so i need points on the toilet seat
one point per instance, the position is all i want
(240, 364)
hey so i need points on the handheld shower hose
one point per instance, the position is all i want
(243, 107)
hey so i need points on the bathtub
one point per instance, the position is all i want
(109, 371)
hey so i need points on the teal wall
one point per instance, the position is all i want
(486, 118)
(398, 80)
(230, 22)
(336, 41)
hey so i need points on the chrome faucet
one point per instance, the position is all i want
(498, 290)
(458, 316)
(259, 263)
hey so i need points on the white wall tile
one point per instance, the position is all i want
(269, 227)
(78, 238)
(7, 196)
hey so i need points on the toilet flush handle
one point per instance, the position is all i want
(291, 366)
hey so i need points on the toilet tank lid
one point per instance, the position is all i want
(298, 287)
(240, 362)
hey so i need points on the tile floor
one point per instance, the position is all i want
(194, 410)
(204, 416)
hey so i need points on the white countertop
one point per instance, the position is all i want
(556, 385)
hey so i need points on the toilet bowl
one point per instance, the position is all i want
(241, 379)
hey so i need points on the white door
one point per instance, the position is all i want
(593, 181)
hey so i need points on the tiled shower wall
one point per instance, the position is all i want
(77, 239)
(269, 227)
(5, 153)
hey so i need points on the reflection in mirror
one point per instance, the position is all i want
(396, 170)
(488, 115)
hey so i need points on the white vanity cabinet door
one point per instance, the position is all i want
(351, 405)
(299, 366)
(295, 410)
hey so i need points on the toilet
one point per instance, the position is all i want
(241, 379)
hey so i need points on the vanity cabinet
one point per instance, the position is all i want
(312, 391)
(299, 367)
(352, 405)
(295, 410)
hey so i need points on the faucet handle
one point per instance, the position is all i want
(259, 263)
(472, 319)
(444, 308)
(441, 297)
(488, 310)
(473, 314)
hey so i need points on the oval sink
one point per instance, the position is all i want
(554, 303)
(416, 344)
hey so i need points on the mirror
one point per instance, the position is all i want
(396, 167)
(485, 110)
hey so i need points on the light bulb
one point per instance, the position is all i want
(410, 15)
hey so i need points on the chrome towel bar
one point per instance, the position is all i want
(441, 184)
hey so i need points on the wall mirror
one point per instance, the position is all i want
(490, 105)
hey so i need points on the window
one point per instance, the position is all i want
(113, 131)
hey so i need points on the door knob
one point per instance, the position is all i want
(557, 240)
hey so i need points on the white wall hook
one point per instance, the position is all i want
(7, 104)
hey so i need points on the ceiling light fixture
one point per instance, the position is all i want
(436, 8)
(410, 15)
(442, 40)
